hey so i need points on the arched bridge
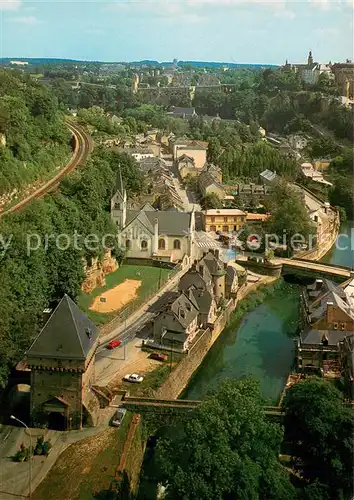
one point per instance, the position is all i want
(310, 267)
(278, 266)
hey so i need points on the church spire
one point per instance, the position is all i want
(310, 59)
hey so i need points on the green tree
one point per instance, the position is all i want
(320, 430)
(214, 151)
(289, 215)
(209, 201)
(227, 450)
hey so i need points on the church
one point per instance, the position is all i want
(150, 234)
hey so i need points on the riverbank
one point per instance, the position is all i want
(183, 372)
(258, 342)
(342, 251)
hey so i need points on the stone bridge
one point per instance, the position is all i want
(311, 268)
(175, 406)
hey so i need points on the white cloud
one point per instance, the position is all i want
(25, 20)
(10, 4)
(186, 9)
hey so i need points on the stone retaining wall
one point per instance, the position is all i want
(185, 369)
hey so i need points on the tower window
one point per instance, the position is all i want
(162, 244)
(144, 245)
(128, 244)
(177, 245)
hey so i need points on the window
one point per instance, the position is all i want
(128, 244)
(335, 326)
(225, 219)
(225, 229)
(162, 244)
(342, 326)
(144, 245)
(212, 219)
(235, 219)
(177, 245)
(213, 228)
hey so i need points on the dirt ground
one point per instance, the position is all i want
(117, 297)
(139, 362)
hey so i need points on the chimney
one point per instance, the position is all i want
(156, 236)
(201, 269)
(330, 313)
(46, 315)
(319, 284)
(217, 253)
(205, 254)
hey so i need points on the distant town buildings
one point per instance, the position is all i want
(310, 71)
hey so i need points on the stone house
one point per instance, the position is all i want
(208, 184)
(62, 364)
(328, 318)
(186, 167)
(177, 326)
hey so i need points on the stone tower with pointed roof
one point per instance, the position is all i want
(61, 360)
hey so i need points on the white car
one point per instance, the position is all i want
(133, 377)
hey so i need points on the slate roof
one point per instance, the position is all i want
(172, 223)
(315, 337)
(68, 334)
(268, 175)
(185, 310)
(203, 299)
(193, 278)
(214, 265)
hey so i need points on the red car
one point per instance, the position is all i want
(113, 344)
(159, 356)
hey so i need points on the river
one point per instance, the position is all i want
(261, 346)
(342, 253)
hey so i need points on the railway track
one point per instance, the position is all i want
(82, 148)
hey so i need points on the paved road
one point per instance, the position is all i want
(188, 198)
(109, 362)
(82, 149)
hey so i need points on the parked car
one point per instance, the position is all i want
(113, 344)
(133, 377)
(117, 418)
(159, 356)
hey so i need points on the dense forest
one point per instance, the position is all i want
(35, 139)
(32, 280)
(231, 450)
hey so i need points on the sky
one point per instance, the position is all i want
(241, 31)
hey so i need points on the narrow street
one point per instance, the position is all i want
(188, 197)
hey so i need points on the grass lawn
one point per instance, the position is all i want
(150, 278)
(85, 468)
(154, 379)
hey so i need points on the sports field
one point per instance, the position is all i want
(129, 286)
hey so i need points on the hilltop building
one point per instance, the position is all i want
(310, 71)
